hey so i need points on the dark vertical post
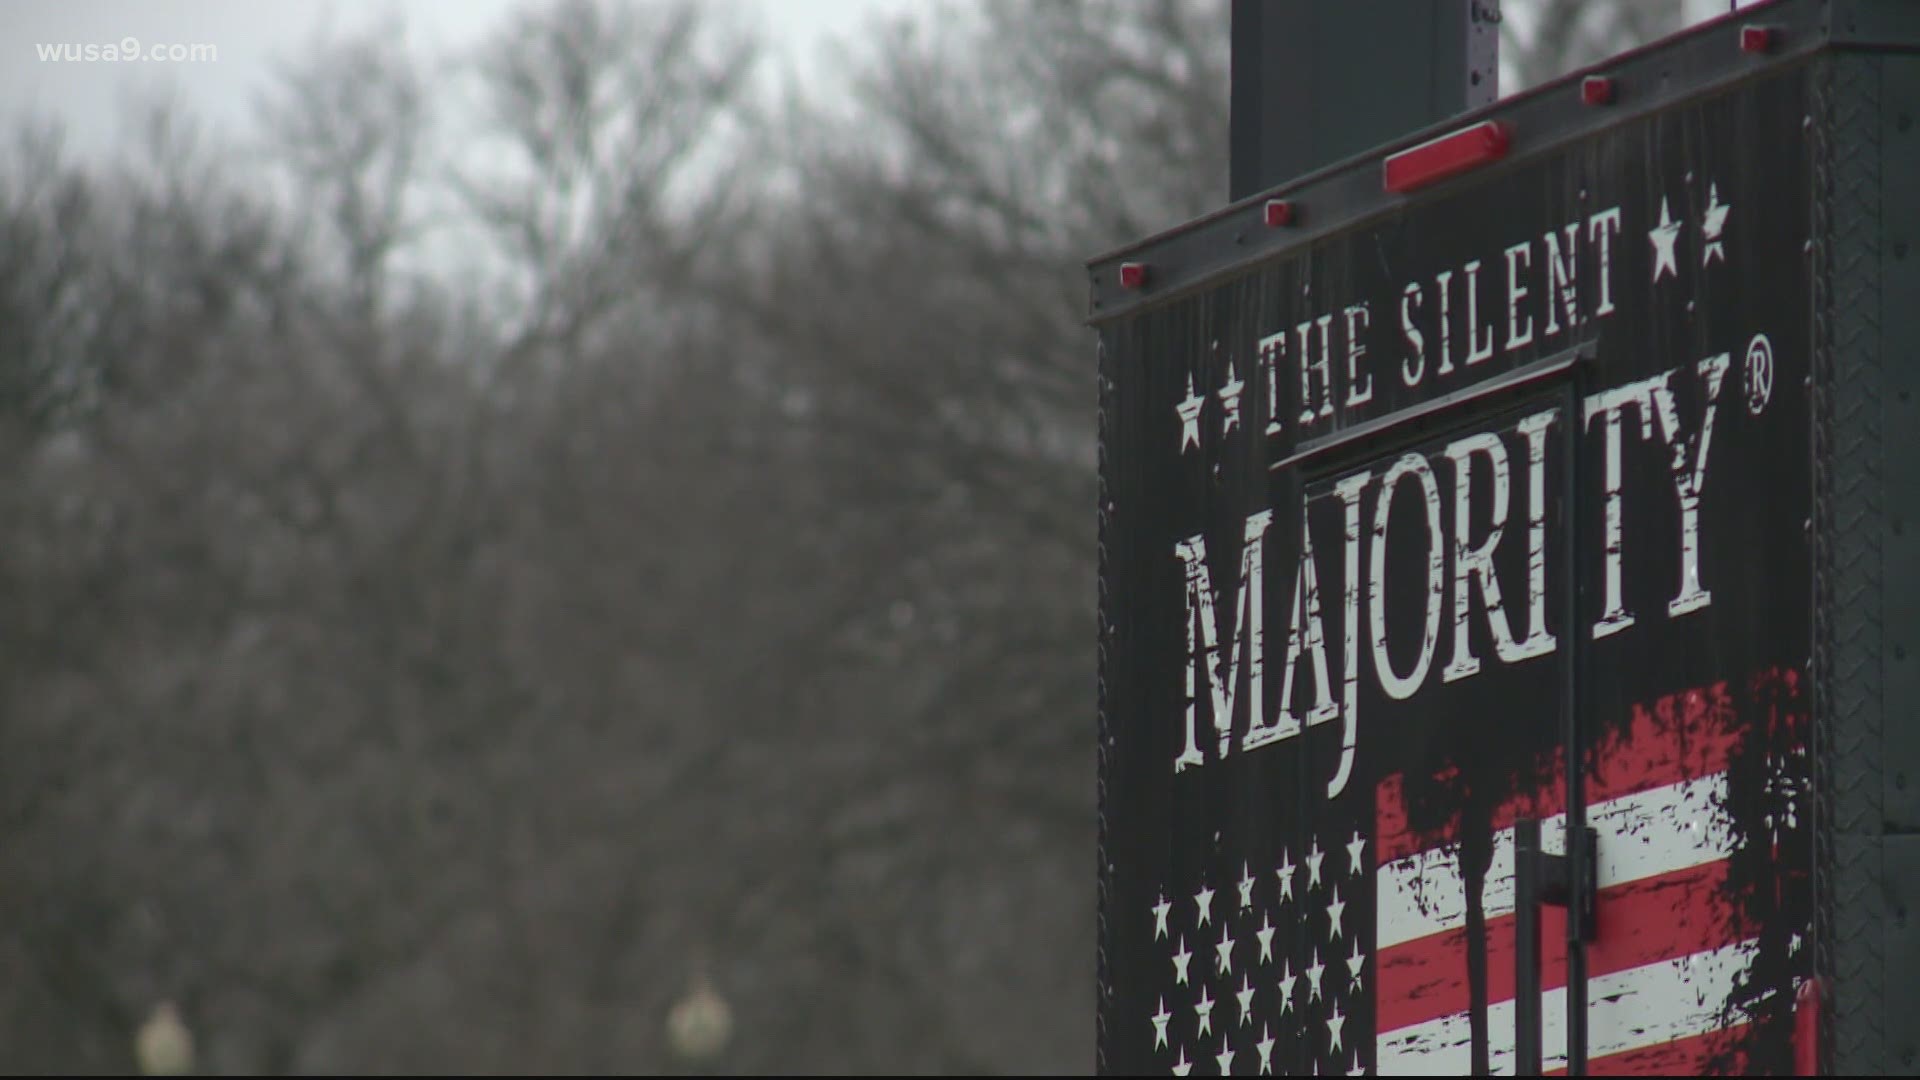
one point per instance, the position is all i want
(1314, 81)
(1573, 676)
(1526, 948)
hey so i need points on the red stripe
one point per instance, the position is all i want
(1677, 737)
(1719, 1050)
(1396, 838)
(1684, 735)
(1640, 922)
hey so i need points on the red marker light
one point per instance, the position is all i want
(1447, 156)
(1596, 90)
(1756, 39)
(1806, 1029)
(1279, 213)
(1133, 275)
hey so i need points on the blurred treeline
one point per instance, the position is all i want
(518, 544)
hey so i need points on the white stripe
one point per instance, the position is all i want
(1639, 1007)
(1654, 832)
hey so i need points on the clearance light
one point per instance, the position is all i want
(1806, 1028)
(1596, 90)
(1279, 213)
(1447, 156)
(1133, 275)
(1756, 39)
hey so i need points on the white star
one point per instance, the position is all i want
(1160, 917)
(1265, 1046)
(1204, 901)
(1334, 911)
(1358, 1069)
(1204, 1010)
(1160, 1025)
(1189, 410)
(1334, 1024)
(1245, 997)
(1225, 1057)
(1313, 864)
(1224, 960)
(1313, 976)
(1246, 887)
(1664, 235)
(1180, 1067)
(1714, 223)
(1287, 979)
(1265, 934)
(1354, 848)
(1285, 873)
(1180, 962)
(1356, 962)
(1793, 945)
(1230, 397)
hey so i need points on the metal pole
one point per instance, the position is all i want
(1573, 633)
(1526, 948)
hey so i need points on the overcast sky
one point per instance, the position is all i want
(251, 36)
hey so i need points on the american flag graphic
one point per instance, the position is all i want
(1267, 967)
(1349, 953)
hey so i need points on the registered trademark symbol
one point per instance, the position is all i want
(1759, 373)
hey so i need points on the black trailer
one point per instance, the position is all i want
(1582, 425)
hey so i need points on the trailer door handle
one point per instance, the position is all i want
(1539, 878)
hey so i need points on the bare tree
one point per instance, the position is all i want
(1550, 38)
(599, 167)
(409, 673)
